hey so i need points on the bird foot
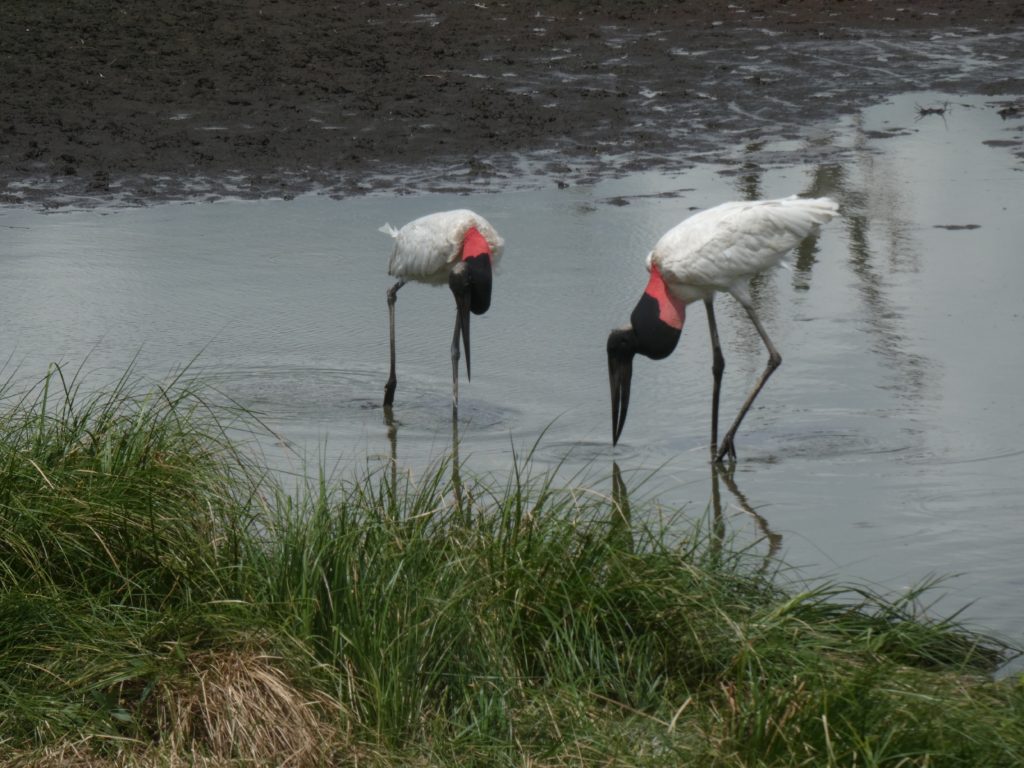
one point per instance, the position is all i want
(727, 448)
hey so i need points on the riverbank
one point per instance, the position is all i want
(142, 103)
(167, 602)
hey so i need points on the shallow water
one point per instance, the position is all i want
(885, 449)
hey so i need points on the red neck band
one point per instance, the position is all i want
(474, 244)
(671, 311)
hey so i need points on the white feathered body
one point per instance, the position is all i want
(427, 248)
(722, 248)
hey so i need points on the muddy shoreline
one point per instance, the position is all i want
(140, 103)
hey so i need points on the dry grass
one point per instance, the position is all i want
(240, 705)
(230, 708)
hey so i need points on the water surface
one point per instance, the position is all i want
(885, 449)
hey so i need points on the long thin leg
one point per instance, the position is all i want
(717, 369)
(389, 388)
(774, 361)
(455, 366)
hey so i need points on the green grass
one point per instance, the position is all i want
(167, 600)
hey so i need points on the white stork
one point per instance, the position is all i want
(458, 247)
(716, 250)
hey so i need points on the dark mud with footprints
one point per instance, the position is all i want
(142, 102)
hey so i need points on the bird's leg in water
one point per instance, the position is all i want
(389, 388)
(774, 361)
(717, 368)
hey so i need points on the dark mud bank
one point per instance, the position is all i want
(145, 102)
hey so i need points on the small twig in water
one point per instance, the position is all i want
(939, 110)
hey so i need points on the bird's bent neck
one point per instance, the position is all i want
(658, 318)
(473, 272)
(474, 244)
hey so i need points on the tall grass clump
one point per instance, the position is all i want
(484, 622)
(127, 536)
(166, 600)
(120, 493)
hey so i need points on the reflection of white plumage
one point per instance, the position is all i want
(717, 250)
(458, 247)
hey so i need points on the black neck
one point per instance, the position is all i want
(654, 337)
(479, 270)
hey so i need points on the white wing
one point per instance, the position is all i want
(721, 248)
(426, 247)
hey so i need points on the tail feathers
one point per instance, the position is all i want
(802, 216)
(823, 209)
(820, 208)
(387, 229)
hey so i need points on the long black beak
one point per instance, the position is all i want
(620, 374)
(462, 306)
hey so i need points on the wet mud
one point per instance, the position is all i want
(143, 102)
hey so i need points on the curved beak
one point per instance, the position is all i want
(620, 374)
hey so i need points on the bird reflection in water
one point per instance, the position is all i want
(620, 531)
(456, 463)
(391, 423)
(392, 427)
(727, 476)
